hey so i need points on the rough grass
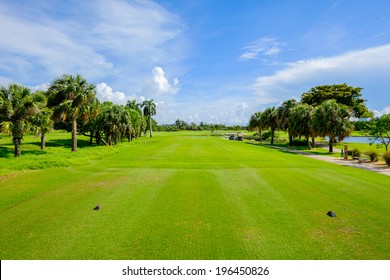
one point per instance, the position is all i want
(190, 196)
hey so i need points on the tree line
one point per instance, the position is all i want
(322, 111)
(70, 103)
(202, 126)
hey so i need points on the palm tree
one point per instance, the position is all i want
(257, 121)
(70, 96)
(149, 109)
(283, 116)
(17, 107)
(271, 120)
(300, 121)
(42, 122)
(332, 119)
(132, 104)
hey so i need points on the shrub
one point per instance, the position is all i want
(299, 142)
(265, 135)
(354, 152)
(372, 155)
(386, 157)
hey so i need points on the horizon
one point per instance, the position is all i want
(208, 61)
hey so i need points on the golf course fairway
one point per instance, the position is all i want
(188, 196)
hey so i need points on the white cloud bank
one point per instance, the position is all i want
(115, 40)
(364, 68)
(158, 86)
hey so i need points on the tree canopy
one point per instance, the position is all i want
(342, 93)
(70, 97)
(380, 131)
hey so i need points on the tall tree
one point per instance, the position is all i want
(132, 104)
(342, 93)
(17, 107)
(271, 121)
(380, 131)
(42, 121)
(300, 121)
(149, 109)
(283, 116)
(332, 119)
(70, 96)
(257, 122)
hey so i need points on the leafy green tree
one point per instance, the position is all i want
(257, 121)
(132, 104)
(332, 119)
(283, 116)
(70, 97)
(342, 93)
(300, 121)
(88, 124)
(17, 106)
(270, 116)
(149, 110)
(380, 131)
(42, 121)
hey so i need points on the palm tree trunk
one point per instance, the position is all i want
(74, 135)
(308, 142)
(91, 138)
(150, 125)
(43, 141)
(261, 136)
(290, 138)
(272, 136)
(17, 143)
(330, 145)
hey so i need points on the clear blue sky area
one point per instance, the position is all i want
(216, 61)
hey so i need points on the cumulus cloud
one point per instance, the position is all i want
(161, 82)
(159, 85)
(266, 46)
(106, 93)
(363, 68)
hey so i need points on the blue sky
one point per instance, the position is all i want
(216, 61)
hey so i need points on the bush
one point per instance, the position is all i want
(386, 157)
(372, 155)
(299, 143)
(265, 135)
(354, 152)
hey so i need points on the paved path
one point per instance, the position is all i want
(375, 167)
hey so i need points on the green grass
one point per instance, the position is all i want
(188, 196)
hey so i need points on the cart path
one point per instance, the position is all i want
(379, 168)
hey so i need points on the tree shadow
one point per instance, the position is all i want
(67, 143)
(9, 152)
(292, 150)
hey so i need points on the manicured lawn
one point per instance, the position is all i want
(187, 196)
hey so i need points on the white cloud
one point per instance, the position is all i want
(159, 85)
(161, 82)
(266, 46)
(41, 87)
(365, 68)
(377, 113)
(106, 93)
(40, 44)
(112, 39)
